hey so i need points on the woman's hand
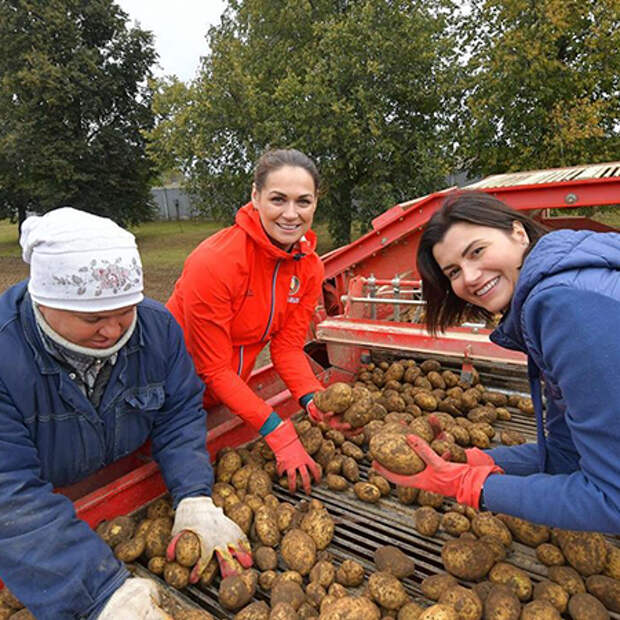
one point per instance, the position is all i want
(460, 480)
(217, 534)
(291, 456)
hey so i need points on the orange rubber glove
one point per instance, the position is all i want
(291, 456)
(459, 480)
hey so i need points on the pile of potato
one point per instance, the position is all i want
(11, 607)
(290, 543)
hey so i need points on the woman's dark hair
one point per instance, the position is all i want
(443, 307)
(277, 158)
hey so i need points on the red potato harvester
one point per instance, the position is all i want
(371, 302)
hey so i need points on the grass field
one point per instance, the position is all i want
(163, 247)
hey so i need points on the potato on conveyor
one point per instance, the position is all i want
(586, 552)
(455, 523)
(187, 551)
(466, 603)
(392, 560)
(287, 592)
(176, 575)
(439, 612)
(242, 515)
(502, 604)
(227, 464)
(554, 593)
(513, 577)
(525, 532)
(351, 608)
(511, 438)
(336, 482)
(586, 607)
(116, 530)
(467, 559)
(193, 614)
(427, 520)
(435, 585)
(550, 555)
(485, 523)
(367, 492)
(298, 551)
(540, 610)
(393, 452)
(318, 524)
(350, 573)
(235, 592)
(130, 550)
(337, 398)
(266, 524)
(606, 590)
(157, 537)
(359, 413)
(387, 590)
(568, 578)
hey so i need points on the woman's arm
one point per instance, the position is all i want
(50, 559)
(572, 335)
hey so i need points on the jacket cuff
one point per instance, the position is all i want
(305, 399)
(270, 424)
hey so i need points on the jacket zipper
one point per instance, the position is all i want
(240, 360)
(273, 299)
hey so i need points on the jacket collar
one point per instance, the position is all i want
(248, 219)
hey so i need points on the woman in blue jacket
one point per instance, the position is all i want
(559, 293)
(89, 371)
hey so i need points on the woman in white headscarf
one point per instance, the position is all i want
(90, 370)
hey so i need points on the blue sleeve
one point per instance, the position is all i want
(179, 434)
(50, 559)
(573, 335)
(516, 460)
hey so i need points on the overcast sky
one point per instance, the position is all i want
(179, 28)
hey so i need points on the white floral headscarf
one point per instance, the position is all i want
(81, 262)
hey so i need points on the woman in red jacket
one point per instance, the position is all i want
(255, 282)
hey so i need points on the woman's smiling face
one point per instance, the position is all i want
(482, 263)
(286, 204)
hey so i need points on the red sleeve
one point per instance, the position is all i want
(286, 346)
(207, 316)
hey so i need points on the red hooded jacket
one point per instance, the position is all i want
(237, 292)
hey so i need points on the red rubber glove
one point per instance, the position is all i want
(459, 480)
(291, 456)
(331, 419)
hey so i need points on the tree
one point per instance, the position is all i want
(359, 85)
(543, 84)
(73, 103)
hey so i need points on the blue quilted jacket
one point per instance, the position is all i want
(52, 436)
(565, 315)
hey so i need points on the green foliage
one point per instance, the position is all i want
(543, 85)
(73, 102)
(361, 86)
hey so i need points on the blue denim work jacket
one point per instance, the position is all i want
(51, 435)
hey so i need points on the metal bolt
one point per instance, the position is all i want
(570, 199)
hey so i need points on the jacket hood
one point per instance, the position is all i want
(248, 219)
(558, 252)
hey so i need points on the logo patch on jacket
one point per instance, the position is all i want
(293, 289)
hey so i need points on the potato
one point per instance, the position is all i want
(502, 604)
(367, 492)
(467, 559)
(318, 524)
(265, 558)
(337, 590)
(130, 550)
(267, 579)
(197, 614)
(410, 611)
(350, 608)
(439, 612)
(337, 397)
(451, 405)
(387, 591)
(157, 564)
(392, 560)
(426, 401)
(568, 578)
(525, 532)
(283, 611)
(159, 508)
(612, 564)
(485, 523)
(525, 405)
(323, 573)
(315, 593)
(422, 428)
(540, 610)
(455, 523)
(495, 545)
(287, 592)
(479, 438)
(298, 551)
(258, 610)
(350, 449)
(550, 555)
(466, 603)
(427, 520)
(511, 438)
(6, 612)
(143, 527)
(284, 516)
(434, 586)
(117, 530)
(483, 588)
(406, 495)
(394, 453)
(266, 525)
(350, 573)
(235, 592)
(241, 477)
(455, 453)
(8, 599)
(550, 591)
(242, 515)
(260, 483)
(514, 578)
(380, 482)
(586, 552)
(428, 498)
(22, 614)
(176, 575)
(157, 537)
(336, 482)
(606, 590)
(586, 607)
(187, 551)
(227, 464)
(360, 412)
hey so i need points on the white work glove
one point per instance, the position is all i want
(136, 599)
(216, 532)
